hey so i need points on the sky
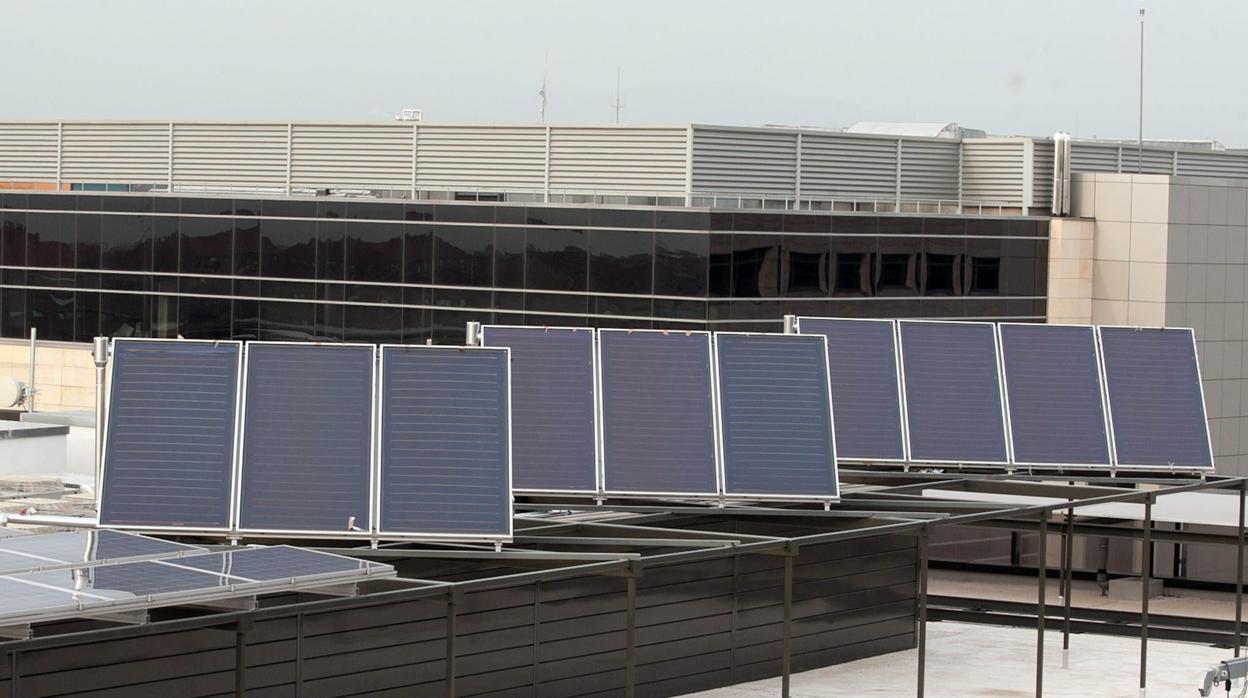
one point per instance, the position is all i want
(1006, 66)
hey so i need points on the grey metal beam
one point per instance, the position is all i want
(487, 554)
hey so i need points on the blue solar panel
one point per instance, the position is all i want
(862, 364)
(1157, 409)
(658, 428)
(307, 438)
(1053, 389)
(953, 392)
(554, 445)
(776, 415)
(168, 459)
(445, 441)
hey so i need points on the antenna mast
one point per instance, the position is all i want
(542, 92)
(619, 97)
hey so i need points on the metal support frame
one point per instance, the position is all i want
(1146, 573)
(245, 625)
(453, 597)
(630, 638)
(924, 538)
(1068, 573)
(1239, 567)
(786, 663)
(1042, 584)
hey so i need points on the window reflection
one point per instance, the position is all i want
(374, 252)
(620, 261)
(681, 264)
(287, 249)
(755, 265)
(805, 265)
(557, 259)
(206, 245)
(463, 255)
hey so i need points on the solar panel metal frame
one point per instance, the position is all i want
(717, 455)
(1109, 413)
(599, 482)
(50, 565)
(1100, 369)
(1005, 408)
(902, 418)
(238, 401)
(373, 458)
(719, 430)
(511, 496)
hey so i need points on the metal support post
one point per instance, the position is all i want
(1042, 566)
(922, 640)
(452, 599)
(630, 639)
(1146, 573)
(1068, 572)
(788, 625)
(99, 355)
(1239, 567)
(240, 655)
(30, 385)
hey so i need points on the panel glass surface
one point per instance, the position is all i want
(775, 415)
(953, 393)
(307, 438)
(552, 392)
(170, 441)
(1053, 389)
(862, 365)
(445, 451)
(657, 412)
(81, 547)
(276, 563)
(1157, 409)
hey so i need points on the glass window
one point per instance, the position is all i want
(463, 213)
(805, 265)
(756, 265)
(374, 252)
(621, 305)
(286, 321)
(571, 217)
(681, 264)
(896, 273)
(984, 266)
(418, 254)
(807, 223)
(87, 316)
(129, 314)
(447, 326)
(127, 243)
(463, 255)
(374, 211)
(460, 298)
(557, 259)
(207, 206)
(942, 260)
(287, 249)
(620, 261)
(203, 318)
(720, 270)
(330, 250)
(373, 324)
(680, 310)
(621, 218)
(165, 244)
(52, 314)
(246, 247)
(509, 257)
(762, 222)
(855, 225)
(13, 239)
(1018, 268)
(51, 240)
(556, 303)
(901, 225)
(682, 220)
(206, 246)
(288, 208)
(88, 253)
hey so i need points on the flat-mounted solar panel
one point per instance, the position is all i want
(1053, 391)
(82, 549)
(307, 438)
(775, 409)
(657, 410)
(953, 392)
(554, 446)
(866, 387)
(445, 442)
(1156, 405)
(170, 438)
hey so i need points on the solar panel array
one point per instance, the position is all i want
(1034, 395)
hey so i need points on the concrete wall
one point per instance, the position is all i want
(64, 373)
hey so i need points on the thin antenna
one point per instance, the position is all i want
(1139, 143)
(542, 92)
(619, 96)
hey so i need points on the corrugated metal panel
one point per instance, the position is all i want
(929, 170)
(836, 165)
(744, 161)
(371, 156)
(1213, 164)
(121, 153)
(229, 154)
(1154, 161)
(992, 171)
(1042, 174)
(481, 157)
(28, 152)
(1092, 157)
(618, 159)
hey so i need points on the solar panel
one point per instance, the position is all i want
(306, 463)
(953, 392)
(866, 388)
(1053, 391)
(553, 406)
(1156, 406)
(82, 548)
(658, 425)
(445, 442)
(775, 407)
(169, 444)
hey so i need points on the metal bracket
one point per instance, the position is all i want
(123, 617)
(16, 632)
(347, 590)
(246, 603)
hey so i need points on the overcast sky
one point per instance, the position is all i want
(1006, 66)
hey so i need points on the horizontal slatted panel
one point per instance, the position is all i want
(1092, 157)
(368, 156)
(992, 172)
(229, 154)
(618, 159)
(1153, 161)
(744, 161)
(471, 157)
(28, 152)
(844, 166)
(307, 438)
(445, 441)
(104, 152)
(929, 170)
(1213, 164)
(1042, 174)
(170, 440)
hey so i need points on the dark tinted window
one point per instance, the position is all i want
(620, 261)
(681, 264)
(374, 252)
(51, 240)
(418, 254)
(755, 265)
(463, 255)
(805, 265)
(557, 259)
(331, 250)
(88, 254)
(720, 278)
(509, 257)
(288, 249)
(206, 246)
(127, 243)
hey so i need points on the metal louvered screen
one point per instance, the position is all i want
(552, 380)
(306, 463)
(1156, 406)
(658, 426)
(862, 363)
(445, 442)
(776, 415)
(169, 446)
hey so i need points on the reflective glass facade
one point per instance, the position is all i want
(78, 265)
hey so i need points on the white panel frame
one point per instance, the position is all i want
(1109, 414)
(719, 429)
(901, 393)
(238, 401)
(715, 438)
(236, 512)
(380, 414)
(593, 352)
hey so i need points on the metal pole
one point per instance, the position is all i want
(630, 639)
(1042, 566)
(1239, 568)
(240, 663)
(923, 540)
(99, 354)
(1139, 144)
(788, 624)
(1146, 571)
(1069, 572)
(450, 643)
(30, 397)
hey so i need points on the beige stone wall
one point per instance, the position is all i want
(64, 373)
(1070, 270)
